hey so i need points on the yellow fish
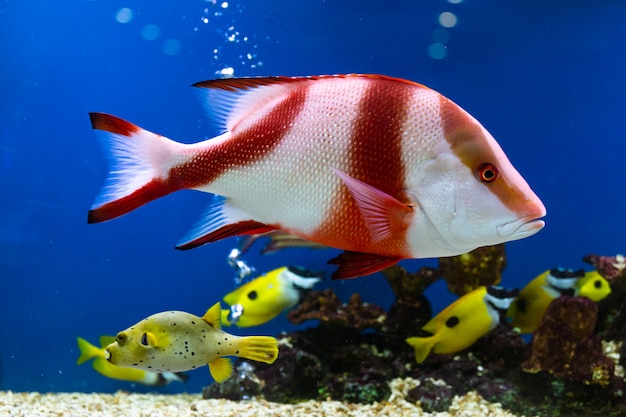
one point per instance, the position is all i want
(593, 286)
(102, 366)
(463, 322)
(263, 298)
(533, 301)
(175, 341)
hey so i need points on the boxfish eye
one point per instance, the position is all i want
(252, 295)
(487, 173)
(120, 338)
(144, 339)
(597, 283)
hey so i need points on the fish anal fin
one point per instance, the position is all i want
(357, 264)
(221, 369)
(384, 215)
(222, 220)
(213, 316)
(245, 227)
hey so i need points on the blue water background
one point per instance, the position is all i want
(545, 77)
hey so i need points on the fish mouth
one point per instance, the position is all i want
(522, 227)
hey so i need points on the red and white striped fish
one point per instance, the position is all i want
(383, 168)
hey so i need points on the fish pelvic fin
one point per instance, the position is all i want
(139, 165)
(422, 346)
(358, 264)
(221, 220)
(258, 348)
(87, 351)
(221, 369)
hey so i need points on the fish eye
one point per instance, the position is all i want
(144, 339)
(597, 283)
(452, 321)
(487, 173)
(252, 295)
(120, 338)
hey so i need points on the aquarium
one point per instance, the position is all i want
(359, 190)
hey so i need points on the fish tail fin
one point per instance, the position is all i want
(87, 351)
(259, 348)
(139, 164)
(422, 346)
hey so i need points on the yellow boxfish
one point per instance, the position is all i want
(382, 168)
(175, 341)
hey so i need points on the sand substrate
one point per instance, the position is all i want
(33, 404)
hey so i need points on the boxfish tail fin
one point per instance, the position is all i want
(87, 351)
(139, 164)
(258, 348)
(422, 346)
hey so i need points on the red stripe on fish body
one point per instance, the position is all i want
(279, 168)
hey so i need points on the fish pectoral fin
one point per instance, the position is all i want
(222, 220)
(221, 369)
(213, 316)
(357, 264)
(384, 215)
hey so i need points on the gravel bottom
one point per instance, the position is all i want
(33, 404)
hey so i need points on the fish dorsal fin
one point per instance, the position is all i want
(228, 101)
(221, 369)
(213, 316)
(106, 340)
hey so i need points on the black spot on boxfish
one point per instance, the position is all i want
(452, 321)
(237, 352)
(193, 354)
(193, 322)
(252, 295)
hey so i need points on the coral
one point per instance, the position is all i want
(293, 377)
(326, 307)
(357, 349)
(365, 388)
(244, 384)
(432, 395)
(469, 271)
(410, 309)
(565, 346)
(409, 286)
